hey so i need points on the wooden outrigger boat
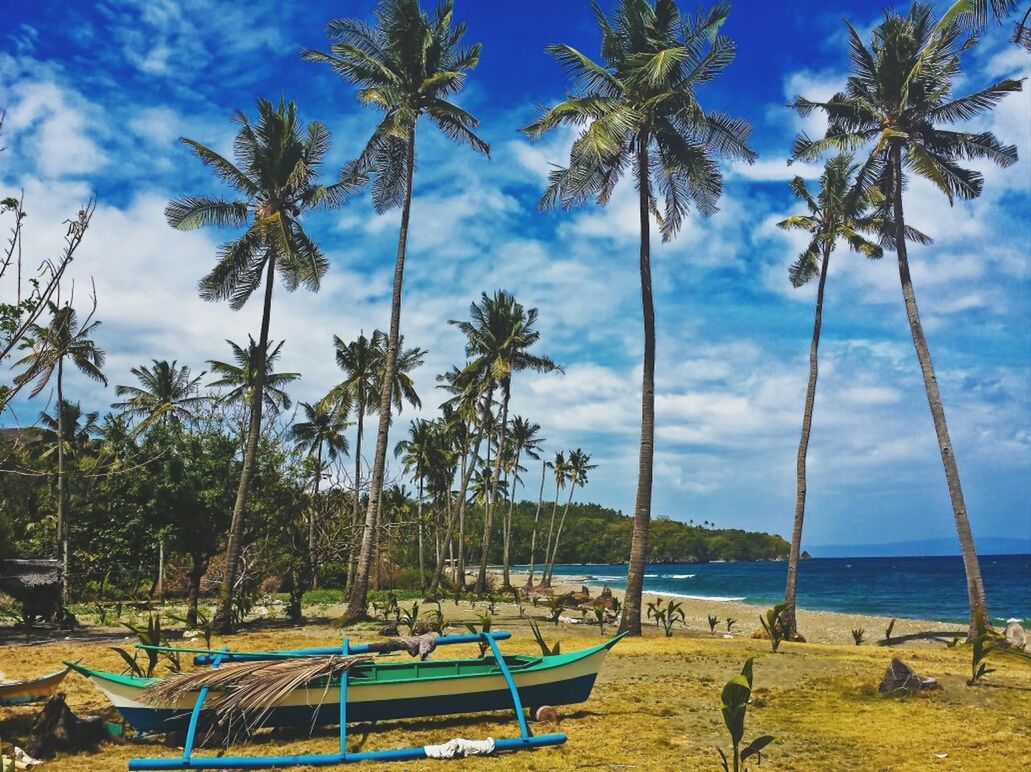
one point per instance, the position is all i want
(31, 690)
(369, 691)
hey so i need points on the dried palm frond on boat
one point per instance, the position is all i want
(250, 691)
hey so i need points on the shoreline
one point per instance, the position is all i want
(833, 627)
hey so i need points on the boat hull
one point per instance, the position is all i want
(560, 680)
(32, 690)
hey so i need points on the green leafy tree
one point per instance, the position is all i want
(407, 66)
(166, 394)
(64, 338)
(638, 110)
(278, 161)
(840, 211)
(899, 98)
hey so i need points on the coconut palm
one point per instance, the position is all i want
(64, 337)
(839, 212)
(418, 455)
(526, 440)
(408, 66)
(498, 342)
(545, 466)
(638, 110)
(321, 437)
(561, 470)
(278, 161)
(166, 394)
(899, 97)
(240, 376)
(578, 465)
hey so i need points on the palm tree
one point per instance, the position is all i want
(63, 338)
(498, 342)
(321, 432)
(240, 376)
(639, 110)
(545, 465)
(417, 453)
(363, 362)
(408, 65)
(166, 394)
(561, 470)
(579, 464)
(899, 96)
(525, 439)
(277, 165)
(839, 212)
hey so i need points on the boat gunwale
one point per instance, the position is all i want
(543, 663)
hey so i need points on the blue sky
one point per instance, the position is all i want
(98, 93)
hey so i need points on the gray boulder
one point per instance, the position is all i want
(1015, 635)
(899, 675)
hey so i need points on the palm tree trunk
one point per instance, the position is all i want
(463, 490)
(62, 488)
(223, 620)
(558, 534)
(788, 618)
(458, 565)
(358, 601)
(507, 532)
(488, 516)
(422, 559)
(312, 565)
(536, 517)
(352, 557)
(545, 582)
(631, 618)
(197, 569)
(975, 585)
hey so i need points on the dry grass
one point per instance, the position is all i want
(656, 706)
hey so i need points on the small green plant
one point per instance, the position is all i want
(887, 631)
(409, 618)
(857, 635)
(457, 596)
(486, 621)
(546, 650)
(653, 610)
(668, 615)
(151, 635)
(492, 604)
(730, 623)
(773, 624)
(599, 614)
(734, 706)
(555, 607)
(204, 624)
(713, 621)
(437, 622)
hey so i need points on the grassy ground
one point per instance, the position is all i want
(655, 706)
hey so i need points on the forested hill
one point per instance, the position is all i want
(597, 534)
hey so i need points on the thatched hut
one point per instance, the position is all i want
(36, 585)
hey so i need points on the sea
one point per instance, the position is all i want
(908, 587)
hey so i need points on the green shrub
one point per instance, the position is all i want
(773, 624)
(734, 706)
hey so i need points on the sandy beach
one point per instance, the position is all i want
(816, 626)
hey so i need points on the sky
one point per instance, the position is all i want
(97, 95)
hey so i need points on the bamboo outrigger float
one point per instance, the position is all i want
(368, 691)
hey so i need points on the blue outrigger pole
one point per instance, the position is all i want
(524, 741)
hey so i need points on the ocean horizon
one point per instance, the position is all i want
(913, 587)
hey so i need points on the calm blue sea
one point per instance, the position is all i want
(913, 587)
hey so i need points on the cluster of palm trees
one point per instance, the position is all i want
(897, 106)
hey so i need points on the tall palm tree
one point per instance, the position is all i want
(408, 66)
(899, 97)
(321, 432)
(638, 109)
(579, 465)
(840, 211)
(278, 161)
(166, 394)
(545, 465)
(526, 439)
(561, 470)
(50, 345)
(417, 453)
(241, 376)
(498, 342)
